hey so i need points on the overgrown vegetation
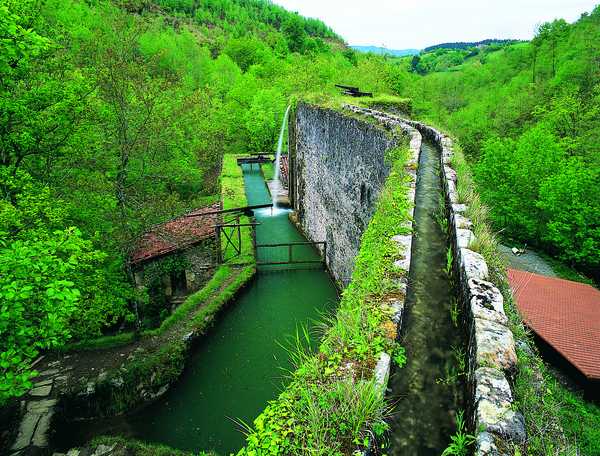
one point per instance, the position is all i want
(115, 116)
(549, 407)
(332, 405)
(527, 117)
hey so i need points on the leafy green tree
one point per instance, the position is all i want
(571, 206)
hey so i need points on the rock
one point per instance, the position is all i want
(459, 208)
(44, 382)
(460, 221)
(40, 438)
(397, 308)
(48, 372)
(486, 301)
(382, 370)
(464, 238)
(73, 452)
(26, 430)
(473, 265)
(41, 407)
(494, 345)
(451, 192)
(103, 450)
(41, 391)
(493, 400)
(449, 173)
(187, 338)
(486, 445)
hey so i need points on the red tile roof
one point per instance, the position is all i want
(565, 314)
(177, 234)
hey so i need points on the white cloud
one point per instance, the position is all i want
(403, 24)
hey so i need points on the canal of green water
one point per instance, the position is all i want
(240, 364)
(429, 389)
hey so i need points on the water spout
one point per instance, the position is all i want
(277, 186)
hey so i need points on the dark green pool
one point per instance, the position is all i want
(240, 364)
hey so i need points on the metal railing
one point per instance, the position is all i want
(291, 253)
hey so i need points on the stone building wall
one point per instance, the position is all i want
(200, 263)
(337, 170)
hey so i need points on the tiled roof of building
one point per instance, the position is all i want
(177, 234)
(564, 314)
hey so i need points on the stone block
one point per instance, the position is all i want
(41, 407)
(459, 208)
(449, 173)
(486, 301)
(26, 430)
(494, 345)
(464, 238)
(382, 371)
(41, 391)
(472, 265)
(451, 192)
(460, 221)
(486, 446)
(493, 400)
(40, 438)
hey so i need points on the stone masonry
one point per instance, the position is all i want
(492, 354)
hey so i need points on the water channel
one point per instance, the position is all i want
(428, 390)
(240, 364)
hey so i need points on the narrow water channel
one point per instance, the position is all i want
(428, 390)
(240, 364)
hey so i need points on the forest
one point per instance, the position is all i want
(116, 115)
(526, 115)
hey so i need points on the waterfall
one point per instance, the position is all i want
(278, 155)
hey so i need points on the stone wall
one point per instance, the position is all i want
(338, 168)
(200, 260)
(492, 355)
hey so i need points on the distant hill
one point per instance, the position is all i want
(466, 45)
(385, 51)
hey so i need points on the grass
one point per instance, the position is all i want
(557, 419)
(132, 447)
(192, 301)
(389, 103)
(332, 405)
(234, 195)
(268, 170)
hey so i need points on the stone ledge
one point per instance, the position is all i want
(486, 301)
(493, 399)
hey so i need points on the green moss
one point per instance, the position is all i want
(136, 448)
(389, 103)
(268, 170)
(233, 195)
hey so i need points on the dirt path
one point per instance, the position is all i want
(59, 372)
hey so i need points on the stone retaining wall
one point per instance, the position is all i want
(491, 346)
(404, 241)
(492, 355)
(337, 169)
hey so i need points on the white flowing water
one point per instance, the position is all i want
(277, 186)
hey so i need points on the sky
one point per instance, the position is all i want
(403, 24)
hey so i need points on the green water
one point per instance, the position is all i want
(240, 364)
(427, 390)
